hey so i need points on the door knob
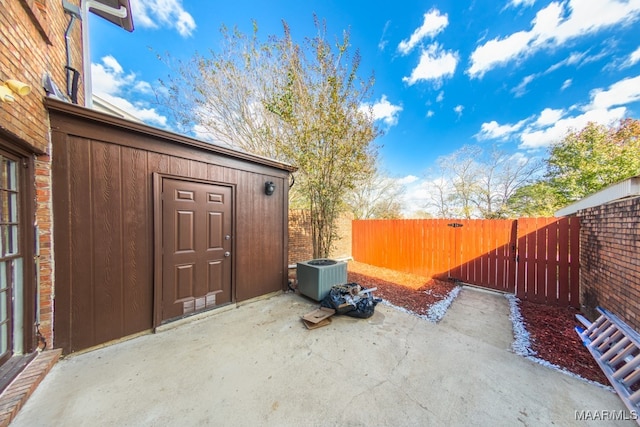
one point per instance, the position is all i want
(226, 254)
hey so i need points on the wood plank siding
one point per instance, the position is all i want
(103, 205)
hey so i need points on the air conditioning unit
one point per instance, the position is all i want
(316, 277)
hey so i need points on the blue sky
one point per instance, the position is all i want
(513, 73)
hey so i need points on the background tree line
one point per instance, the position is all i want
(474, 183)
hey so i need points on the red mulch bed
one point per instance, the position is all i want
(413, 292)
(554, 339)
(550, 328)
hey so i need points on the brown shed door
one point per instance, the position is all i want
(196, 243)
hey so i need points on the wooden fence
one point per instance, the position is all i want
(535, 258)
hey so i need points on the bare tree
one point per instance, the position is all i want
(376, 196)
(500, 175)
(465, 178)
(440, 194)
(474, 184)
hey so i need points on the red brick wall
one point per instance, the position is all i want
(300, 241)
(300, 246)
(32, 43)
(44, 220)
(610, 260)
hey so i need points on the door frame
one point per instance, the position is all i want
(27, 236)
(158, 237)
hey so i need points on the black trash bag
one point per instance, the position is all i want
(350, 300)
(365, 307)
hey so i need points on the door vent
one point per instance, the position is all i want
(316, 277)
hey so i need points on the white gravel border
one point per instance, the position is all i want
(436, 312)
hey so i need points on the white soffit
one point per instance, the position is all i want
(627, 188)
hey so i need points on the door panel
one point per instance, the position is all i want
(196, 242)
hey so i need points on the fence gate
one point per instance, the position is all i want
(484, 253)
(548, 260)
(535, 258)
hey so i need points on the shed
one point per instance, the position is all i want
(152, 226)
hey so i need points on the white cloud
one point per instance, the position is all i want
(605, 107)
(409, 179)
(573, 59)
(435, 64)
(416, 196)
(553, 26)
(493, 130)
(143, 87)
(109, 77)
(576, 59)
(163, 13)
(111, 83)
(382, 44)
(458, 110)
(497, 52)
(519, 158)
(112, 63)
(623, 92)
(440, 96)
(430, 113)
(549, 116)
(634, 58)
(532, 139)
(383, 110)
(521, 89)
(517, 3)
(147, 115)
(433, 24)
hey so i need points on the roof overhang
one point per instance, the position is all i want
(115, 11)
(107, 120)
(628, 188)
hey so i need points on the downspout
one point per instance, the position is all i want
(72, 73)
(86, 52)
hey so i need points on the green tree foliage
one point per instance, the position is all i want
(329, 138)
(593, 158)
(299, 103)
(538, 199)
(583, 163)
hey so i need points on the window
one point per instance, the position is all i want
(11, 286)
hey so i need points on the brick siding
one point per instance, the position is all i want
(32, 43)
(610, 260)
(300, 240)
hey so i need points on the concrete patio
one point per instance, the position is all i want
(258, 365)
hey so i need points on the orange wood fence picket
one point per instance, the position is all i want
(535, 258)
